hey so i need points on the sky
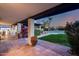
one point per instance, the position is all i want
(61, 19)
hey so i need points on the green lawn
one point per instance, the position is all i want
(56, 38)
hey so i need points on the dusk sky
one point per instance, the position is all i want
(61, 19)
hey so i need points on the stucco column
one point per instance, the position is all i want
(30, 30)
(19, 27)
(19, 30)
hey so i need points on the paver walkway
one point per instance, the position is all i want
(60, 49)
(19, 48)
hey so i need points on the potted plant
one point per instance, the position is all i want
(34, 40)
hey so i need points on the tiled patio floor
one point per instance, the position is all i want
(19, 48)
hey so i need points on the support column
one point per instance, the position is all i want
(19, 27)
(30, 30)
(19, 30)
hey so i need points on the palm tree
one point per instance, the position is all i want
(49, 22)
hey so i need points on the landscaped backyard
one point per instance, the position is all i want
(56, 38)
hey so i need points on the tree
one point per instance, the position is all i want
(49, 22)
(72, 31)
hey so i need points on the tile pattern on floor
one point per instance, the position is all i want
(19, 48)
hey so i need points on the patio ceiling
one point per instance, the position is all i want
(11, 13)
(61, 8)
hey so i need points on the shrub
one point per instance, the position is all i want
(72, 31)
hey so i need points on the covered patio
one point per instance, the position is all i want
(31, 46)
